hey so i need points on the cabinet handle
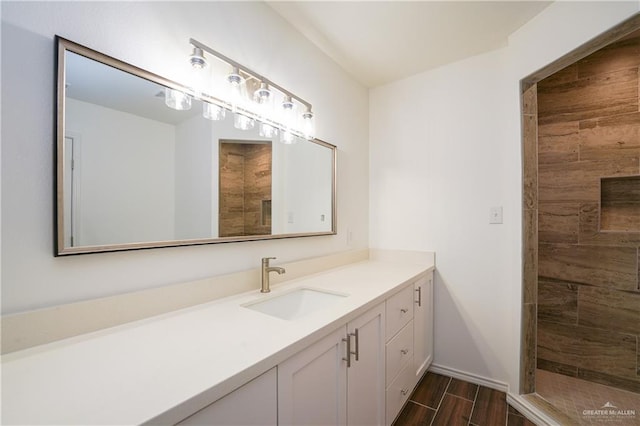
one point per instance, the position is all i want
(419, 301)
(348, 358)
(404, 391)
(404, 310)
(357, 351)
(404, 351)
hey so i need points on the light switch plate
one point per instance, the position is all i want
(495, 215)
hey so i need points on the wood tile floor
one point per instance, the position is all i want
(444, 401)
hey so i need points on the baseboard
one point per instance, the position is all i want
(530, 411)
(469, 377)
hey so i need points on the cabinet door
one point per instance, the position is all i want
(312, 384)
(423, 325)
(254, 403)
(366, 375)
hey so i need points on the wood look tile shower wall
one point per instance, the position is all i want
(245, 184)
(588, 293)
(530, 249)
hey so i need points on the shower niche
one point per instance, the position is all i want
(620, 204)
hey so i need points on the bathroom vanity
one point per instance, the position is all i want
(343, 346)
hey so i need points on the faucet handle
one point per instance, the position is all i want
(265, 260)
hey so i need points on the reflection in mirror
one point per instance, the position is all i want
(135, 173)
(245, 188)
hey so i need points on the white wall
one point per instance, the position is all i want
(445, 147)
(137, 156)
(307, 169)
(154, 36)
(195, 179)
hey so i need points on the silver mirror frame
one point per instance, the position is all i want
(63, 45)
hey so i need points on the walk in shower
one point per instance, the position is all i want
(581, 312)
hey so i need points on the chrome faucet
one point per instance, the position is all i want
(265, 273)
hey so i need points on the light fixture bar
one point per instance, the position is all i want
(259, 77)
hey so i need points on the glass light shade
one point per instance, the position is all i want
(267, 130)
(288, 113)
(176, 99)
(263, 102)
(287, 138)
(242, 122)
(237, 88)
(262, 95)
(212, 111)
(308, 128)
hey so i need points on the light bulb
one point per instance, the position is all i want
(267, 130)
(212, 111)
(242, 122)
(176, 99)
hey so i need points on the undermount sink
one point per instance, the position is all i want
(296, 303)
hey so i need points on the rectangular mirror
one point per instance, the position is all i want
(134, 173)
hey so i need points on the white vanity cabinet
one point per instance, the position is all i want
(252, 404)
(409, 347)
(323, 384)
(400, 378)
(423, 325)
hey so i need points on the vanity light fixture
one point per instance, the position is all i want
(308, 129)
(288, 112)
(287, 138)
(262, 95)
(212, 111)
(261, 104)
(236, 86)
(264, 108)
(267, 130)
(288, 119)
(243, 122)
(197, 58)
(176, 99)
(234, 78)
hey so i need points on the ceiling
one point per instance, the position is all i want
(378, 42)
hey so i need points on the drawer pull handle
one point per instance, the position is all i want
(404, 392)
(404, 351)
(357, 351)
(348, 358)
(419, 301)
(404, 310)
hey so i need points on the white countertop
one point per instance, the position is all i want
(162, 369)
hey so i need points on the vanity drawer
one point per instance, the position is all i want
(399, 351)
(398, 392)
(399, 311)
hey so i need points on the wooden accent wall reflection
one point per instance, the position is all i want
(587, 293)
(245, 189)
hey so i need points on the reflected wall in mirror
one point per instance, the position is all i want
(133, 173)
